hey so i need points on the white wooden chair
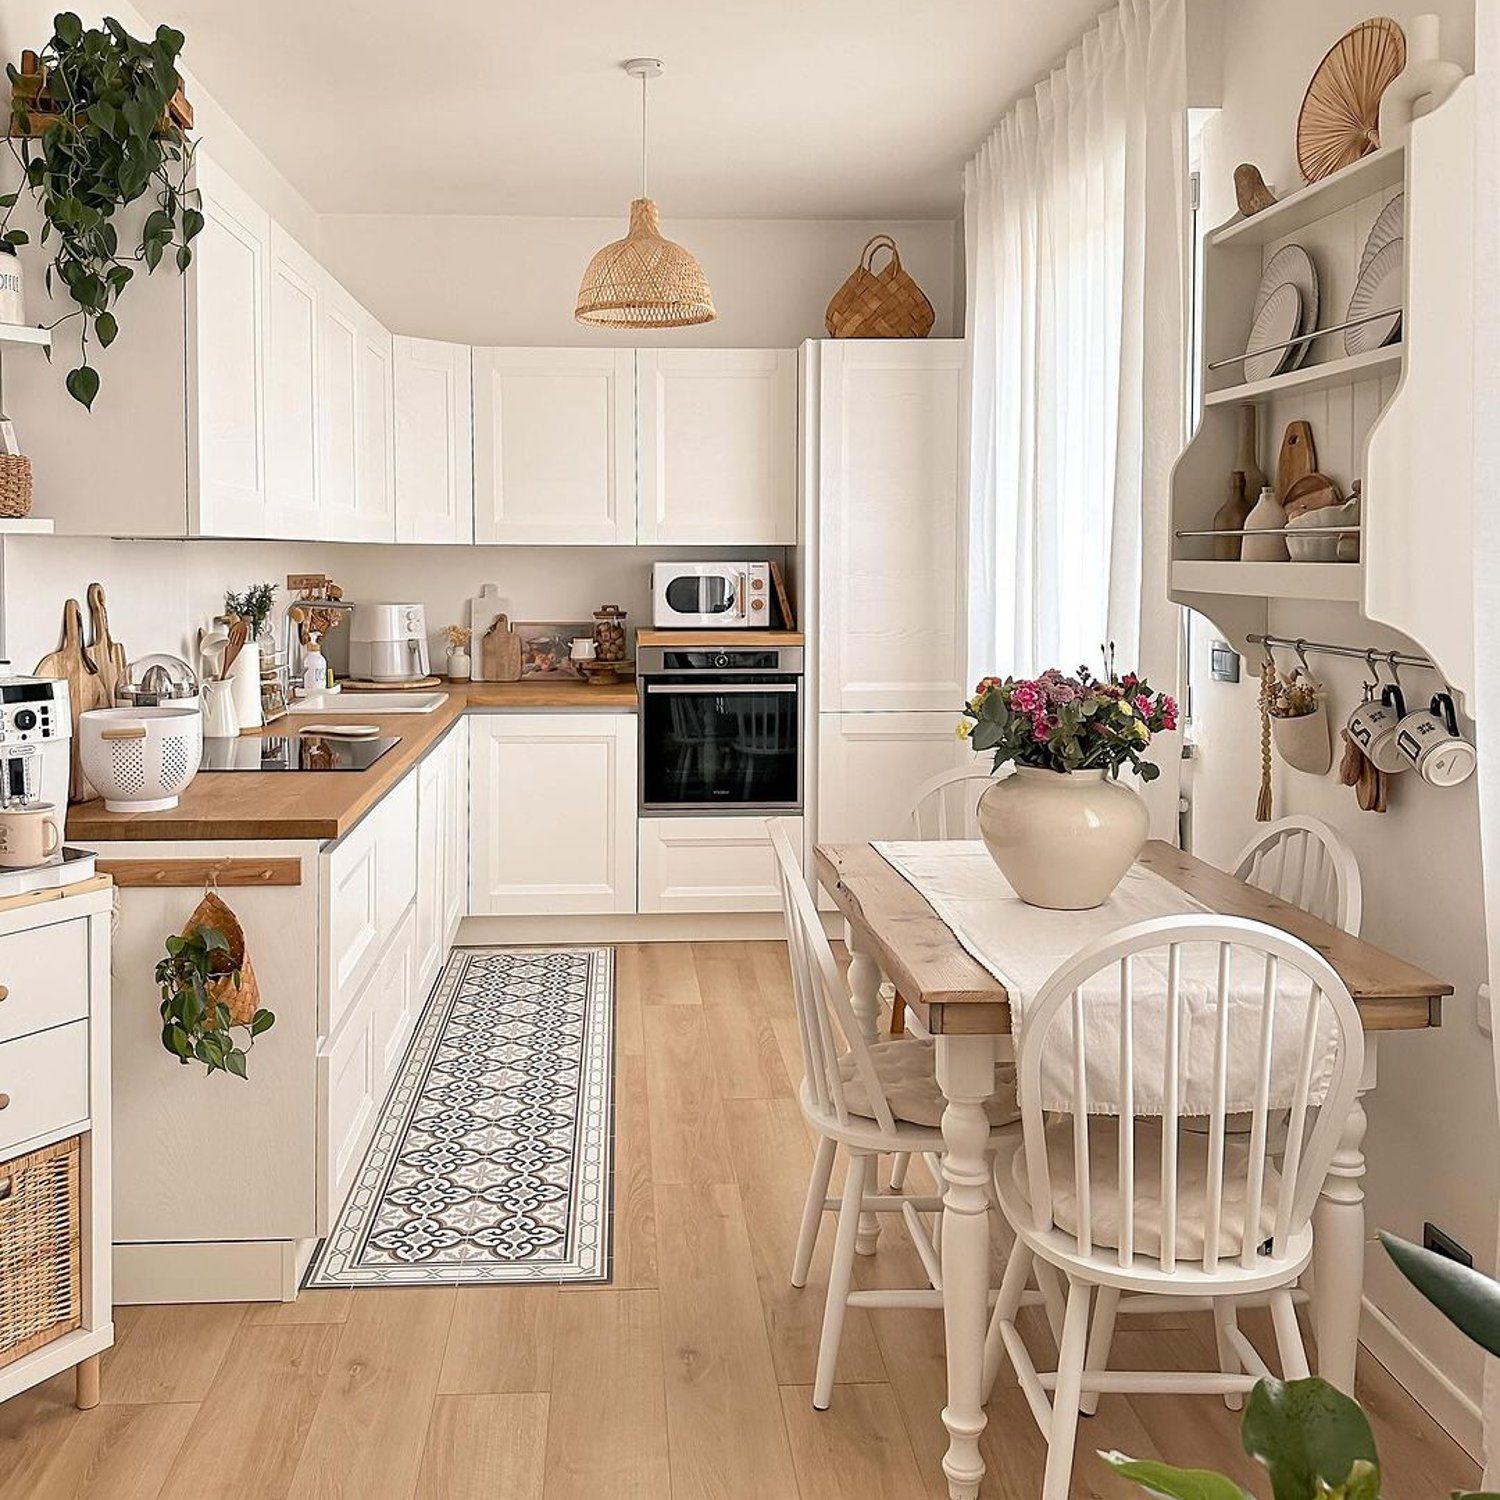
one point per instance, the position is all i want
(1307, 864)
(867, 1097)
(946, 805)
(1134, 1217)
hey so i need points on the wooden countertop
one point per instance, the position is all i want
(327, 804)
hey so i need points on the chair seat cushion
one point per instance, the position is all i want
(907, 1067)
(1192, 1187)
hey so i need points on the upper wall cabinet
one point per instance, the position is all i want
(717, 437)
(434, 442)
(554, 445)
(292, 389)
(888, 496)
(375, 432)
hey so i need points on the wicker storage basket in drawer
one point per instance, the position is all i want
(41, 1264)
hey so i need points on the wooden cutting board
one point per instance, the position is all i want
(73, 664)
(484, 609)
(108, 654)
(1311, 492)
(1298, 457)
(500, 653)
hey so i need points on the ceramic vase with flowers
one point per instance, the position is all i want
(1062, 828)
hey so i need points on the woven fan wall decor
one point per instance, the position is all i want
(884, 304)
(1340, 118)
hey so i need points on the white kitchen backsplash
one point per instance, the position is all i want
(160, 592)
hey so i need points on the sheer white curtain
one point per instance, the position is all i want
(1076, 231)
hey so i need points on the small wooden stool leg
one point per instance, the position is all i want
(898, 1014)
(86, 1383)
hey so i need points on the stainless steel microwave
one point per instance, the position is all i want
(711, 595)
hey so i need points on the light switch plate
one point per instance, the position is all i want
(1224, 662)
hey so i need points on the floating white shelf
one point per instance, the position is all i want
(1324, 376)
(20, 333)
(1270, 580)
(1370, 174)
(26, 527)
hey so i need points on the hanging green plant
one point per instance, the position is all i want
(98, 120)
(201, 984)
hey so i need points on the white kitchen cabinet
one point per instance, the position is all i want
(430, 942)
(709, 864)
(553, 813)
(890, 494)
(348, 1097)
(292, 390)
(339, 318)
(717, 438)
(375, 432)
(870, 766)
(554, 446)
(227, 308)
(434, 400)
(456, 836)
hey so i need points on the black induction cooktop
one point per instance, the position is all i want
(292, 752)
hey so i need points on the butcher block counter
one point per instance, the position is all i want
(327, 804)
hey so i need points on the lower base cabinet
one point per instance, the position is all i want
(715, 864)
(552, 813)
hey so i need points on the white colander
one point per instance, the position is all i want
(140, 759)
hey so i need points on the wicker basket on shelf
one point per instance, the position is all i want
(41, 1261)
(15, 486)
(884, 304)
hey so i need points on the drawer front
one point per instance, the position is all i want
(709, 865)
(348, 1082)
(44, 978)
(396, 1001)
(353, 919)
(45, 1080)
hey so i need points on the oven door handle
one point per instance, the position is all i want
(719, 689)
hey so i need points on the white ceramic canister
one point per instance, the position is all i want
(1269, 517)
(12, 287)
(244, 679)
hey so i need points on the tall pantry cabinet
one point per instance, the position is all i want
(885, 485)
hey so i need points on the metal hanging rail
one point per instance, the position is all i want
(1306, 338)
(1326, 648)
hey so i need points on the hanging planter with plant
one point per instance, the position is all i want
(209, 991)
(98, 120)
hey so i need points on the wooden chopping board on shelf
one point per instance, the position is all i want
(1298, 457)
(108, 654)
(73, 664)
(485, 608)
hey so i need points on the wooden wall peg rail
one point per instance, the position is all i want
(197, 873)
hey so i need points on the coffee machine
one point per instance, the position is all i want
(388, 643)
(36, 733)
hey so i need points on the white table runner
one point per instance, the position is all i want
(1022, 946)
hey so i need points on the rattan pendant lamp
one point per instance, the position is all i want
(644, 280)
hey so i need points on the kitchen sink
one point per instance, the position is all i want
(352, 705)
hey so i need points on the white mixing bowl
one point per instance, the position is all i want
(140, 759)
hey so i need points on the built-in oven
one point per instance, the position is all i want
(720, 729)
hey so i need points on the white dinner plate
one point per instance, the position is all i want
(1391, 225)
(1292, 264)
(1380, 289)
(1279, 320)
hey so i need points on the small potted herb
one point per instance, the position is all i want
(253, 605)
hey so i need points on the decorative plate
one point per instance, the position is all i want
(1379, 290)
(1340, 118)
(1391, 225)
(1278, 320)
(1292, 263)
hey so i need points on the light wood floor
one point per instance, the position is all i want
(687, 1378)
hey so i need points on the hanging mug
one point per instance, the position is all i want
(1429, 741)
(1373, 725)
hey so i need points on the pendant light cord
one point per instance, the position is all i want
(643, 135)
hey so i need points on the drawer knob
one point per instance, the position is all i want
(4, 1101)
(4, 992)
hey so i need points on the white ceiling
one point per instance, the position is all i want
(767, 109)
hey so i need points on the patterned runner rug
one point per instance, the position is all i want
(492, 1158)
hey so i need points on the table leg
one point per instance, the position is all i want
(1338, 1265)
(966, 1074)
(864, 994)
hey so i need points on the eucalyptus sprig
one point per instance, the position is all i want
(194, 1023)
(107, 139)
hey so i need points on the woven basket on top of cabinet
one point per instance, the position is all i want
(41, 1263)
(884, 304)
(15, 486)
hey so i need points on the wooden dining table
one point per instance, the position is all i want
(894, 934)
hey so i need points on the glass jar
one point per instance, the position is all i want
(609, 632)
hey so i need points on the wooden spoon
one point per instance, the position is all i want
(239, 633)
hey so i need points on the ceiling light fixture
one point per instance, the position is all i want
(644, 280)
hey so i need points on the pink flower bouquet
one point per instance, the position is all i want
(1059, 723)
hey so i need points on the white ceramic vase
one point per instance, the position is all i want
(1063, 840)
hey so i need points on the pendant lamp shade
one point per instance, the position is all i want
(644, 280)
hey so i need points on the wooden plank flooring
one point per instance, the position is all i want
(686, 1379)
